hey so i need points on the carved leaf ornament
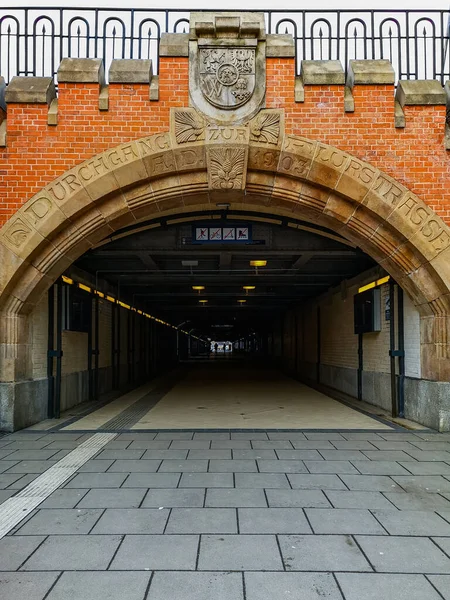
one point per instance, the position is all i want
(188, 127)
(266, 128)
(227, 168)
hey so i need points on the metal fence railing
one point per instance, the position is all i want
(34, 40)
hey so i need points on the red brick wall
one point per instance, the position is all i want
(36, 153)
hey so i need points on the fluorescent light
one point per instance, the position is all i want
(248, 287)
(242, 301)
(258, 263)
(373, 284)
(203, 301)
(84, 287)
(67, 280)
(198, 288)
(189, 263)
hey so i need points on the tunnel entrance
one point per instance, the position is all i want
(211, 320)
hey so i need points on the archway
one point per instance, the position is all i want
(250, 167)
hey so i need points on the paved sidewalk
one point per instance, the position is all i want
(232, 516)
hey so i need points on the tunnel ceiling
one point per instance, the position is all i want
(155, 266)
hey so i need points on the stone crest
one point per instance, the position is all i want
(227, 75)
(227, 66)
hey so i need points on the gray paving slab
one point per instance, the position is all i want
(249, 435)
(152, 480)
(352, 499)
(32, 466)
(299, 455)
(5, 465)
(286, 435)
(254, 454)
(376, 483)
(32, 586)
(223, 454)
(445, 514)
(330, 466)
(174, 435)
(24, 481)
(427, 468)
(423, 483)
(27, 444)
(319, 481)
(433, 436)
(442, 584)
(239, 553)
(194, 444)
(138, 436)
(272, 520)
(282, 466)
(131, 521)
(233, 466)
(443, 542)
(382, 467)
(206, 480)
(117, 445)
(235, 498)
(343, 521)
(342, 455)
(322, 553)
(433, 445)
(213, 435)
(362, 435)
(149, 445)
(354, 445)
(113, 498)
(74, 553)
(261, 480)
(174, 498)
(376, 586)
(430, 456)
(100, 585)
(5, 494)
(14, 550)
(202, 520)
(404, 554)
(297, 498)
(393, 455)
(163, 454)
(120, 454)
(394, 445)
(59, 521)
(96, 466)
(157, 552)
(183, 466)
(271, 445)
(312, 445)
(32, 454)
(323, 435)
(97, 480)
(418, 501)
(197, 586)
(64, 498)
(7, 479)
(64, 445)
(412, 522)
(230, 445)
(291, 586)
(134, 466)
(400, 436)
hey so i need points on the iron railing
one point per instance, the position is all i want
(34, 40)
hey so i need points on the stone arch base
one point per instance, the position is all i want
(193, 167)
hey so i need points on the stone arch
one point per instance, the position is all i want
(248, 167)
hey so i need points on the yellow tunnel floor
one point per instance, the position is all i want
(227, 395)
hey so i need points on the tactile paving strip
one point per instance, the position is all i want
(15, 509)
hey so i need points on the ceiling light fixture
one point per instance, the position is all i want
(258, 263)
(198, 288)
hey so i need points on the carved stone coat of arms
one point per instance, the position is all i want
(227, 75)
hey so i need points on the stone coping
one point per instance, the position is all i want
(30, 90)
(420, 92)
(370, 72)
(81, 70)
(322, 72)
(130, 71)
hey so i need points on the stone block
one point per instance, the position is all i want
(280, 45)
(127, 70)
(322, 72)
(30, 90)
(370, 72)
(174, 44)
(81, 70)
(420, 92)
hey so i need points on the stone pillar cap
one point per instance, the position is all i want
(174, 44)
(81, 70)
(420, 91)
(370, 72)
(130, 70)
(322, 72)
(227, 24)
(280, 45)
(30, 90)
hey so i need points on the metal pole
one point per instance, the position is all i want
(51, 352)
(401, 353)
(394, 404)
